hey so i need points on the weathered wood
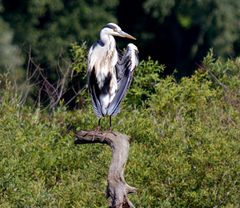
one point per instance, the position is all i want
(117, 189)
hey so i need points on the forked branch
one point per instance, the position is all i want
(117, 188)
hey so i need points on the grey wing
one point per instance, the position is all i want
(93, 87)
(125, 69)
(95, 93)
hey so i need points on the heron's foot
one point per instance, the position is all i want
(110, 130)
(98, 129)
(95, 132)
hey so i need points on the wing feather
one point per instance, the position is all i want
(93, 88)
(125, 69)
(95, 93)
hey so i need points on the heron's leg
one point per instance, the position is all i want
(110, 122)
(99, 124)
(110, 126)
(97, 129)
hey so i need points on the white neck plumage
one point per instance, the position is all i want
(107, 39)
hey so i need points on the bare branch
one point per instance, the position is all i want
(48, 92)
(117, 188)
(213, 76)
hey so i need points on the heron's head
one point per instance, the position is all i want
(115, 30)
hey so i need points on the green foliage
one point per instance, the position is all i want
(41, 167)
(198, 144)
(185, 145)
(146, 76)
(10, 55)
(159, 9)
(177, 33)
(216, 22)
(225, 74)
(79, 58)
(78, 67)
(49, 27)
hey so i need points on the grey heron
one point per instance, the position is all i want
(109, 71)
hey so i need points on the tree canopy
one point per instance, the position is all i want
(49, 27)
(180, 33)
(177, 33)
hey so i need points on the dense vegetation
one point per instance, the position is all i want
(185, 131)
(185, 147)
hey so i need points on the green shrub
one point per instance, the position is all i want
(185, 146)
(146, 76)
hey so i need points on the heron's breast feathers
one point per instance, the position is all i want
(103, 64)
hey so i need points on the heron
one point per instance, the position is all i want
(110, 71)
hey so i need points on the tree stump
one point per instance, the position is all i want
(117, 189)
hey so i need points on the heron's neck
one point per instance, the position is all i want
(108, 40)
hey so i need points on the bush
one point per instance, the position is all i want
(184, 152)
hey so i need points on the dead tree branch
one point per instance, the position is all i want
(117, 189)
(48, 91)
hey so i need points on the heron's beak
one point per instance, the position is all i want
(126, 35)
